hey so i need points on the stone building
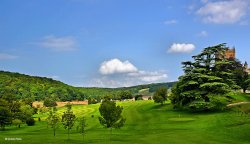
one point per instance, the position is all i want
(230, 54)
(247, 69)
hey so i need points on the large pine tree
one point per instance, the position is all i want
(206, 81)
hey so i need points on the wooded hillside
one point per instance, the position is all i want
(23, 86)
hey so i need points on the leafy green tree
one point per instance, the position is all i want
(111, 115)
(138, 97)
(5, 117)
(92, 100)
(53, 119)
(30, 121)
(68, 118)
(26, 112)
(206, 81)
(160, 96)
(81, 127)
(241, 76)
(125, 95)
(28, 101)
(48, 102)
(14, 108)
(17, 122)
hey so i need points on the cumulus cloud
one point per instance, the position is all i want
(115, 73)
(5, 56)
(116, 66)
(128, 79)
(167, 22)
(181, 48)
(223, 12)
(58, 43)
(149, 76)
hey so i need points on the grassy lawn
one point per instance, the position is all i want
(239, 97)
(147, 123)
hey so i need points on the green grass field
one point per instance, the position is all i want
(147, 123)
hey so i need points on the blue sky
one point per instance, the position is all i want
(114, 43)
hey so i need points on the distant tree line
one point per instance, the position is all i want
(39, 88)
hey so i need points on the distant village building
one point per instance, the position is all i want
(147, 97)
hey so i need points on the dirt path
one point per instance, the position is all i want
(237, 104)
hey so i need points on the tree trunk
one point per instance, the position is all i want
(110, 134)
(83, 137)
(244, 90)
(68, 134)
(54, 132)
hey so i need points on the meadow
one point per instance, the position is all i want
(146, 122)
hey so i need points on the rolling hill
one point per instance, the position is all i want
(38, 88)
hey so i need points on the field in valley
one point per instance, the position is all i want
(146, 122)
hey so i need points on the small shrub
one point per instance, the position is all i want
(17, 122)
(92, 101)
(49, 102)
(138, 97)
(30, 121)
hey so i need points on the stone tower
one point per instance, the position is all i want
(230, 54)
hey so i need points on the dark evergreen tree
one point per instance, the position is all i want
(206, 81)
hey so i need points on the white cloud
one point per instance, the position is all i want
(115, 73)
(181, 48)
(116, 66)
(128, 79)
(5, 56)
(203, 33)
(108, 83)
(149, 76)
(223, 12)
(170, 22)
(58, 43)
